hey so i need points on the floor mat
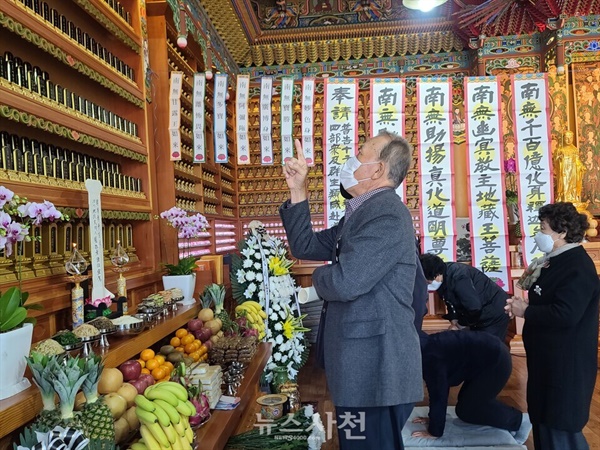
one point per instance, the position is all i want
(461, 435)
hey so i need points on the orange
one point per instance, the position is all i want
(181, 333)
(159, 373)
(152, 364)
(190, 348)
(179, 349)
(187, 339)
(147, 354)
(144, 370)
(170, 365)
(198, 342)
(160, 358)
(142, 363)
(175, 342)
(195, 356)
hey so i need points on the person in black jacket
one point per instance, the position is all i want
(473, 300)
(561, 329)
(483, 364)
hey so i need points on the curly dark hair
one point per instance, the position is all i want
(433, 265)
(564, 218)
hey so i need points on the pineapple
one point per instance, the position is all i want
(96, 418)
(67, 379)
(216, 293)
(41, 368)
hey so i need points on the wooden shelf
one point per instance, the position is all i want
(22, 408)
(66, 196)
(215, 434)
(187, 176)
(210, 184)
(181, 63)
(188, 195)
(227, 189)
(76, 52)
(42, 108)
(117, 21)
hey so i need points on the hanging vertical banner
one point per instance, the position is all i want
(198, 116)
(175, 86)
(340, 140)
(436, 164)
(266, 142)
(532, 151)
(387, 111)
(485, 163)
(220, 118)
(241, 119)
(308, 120)
(287, 119)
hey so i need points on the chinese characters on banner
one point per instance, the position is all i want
(532, 151)
(220, 118)
(434, 122)
(340, 140)
(174, 115)
(387, 111)
(485, 157)
(198, 117)
(94, 188)
(266, 142)
(287, 119)
(241, 119)
(308, 120)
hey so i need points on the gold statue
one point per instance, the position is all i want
(568, 170)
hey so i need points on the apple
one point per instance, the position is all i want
(194, 325)
(131, 370)
(140, 384)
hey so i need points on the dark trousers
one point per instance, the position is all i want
(497, 328)
(477, 402)
(546, 438)
(372, 428)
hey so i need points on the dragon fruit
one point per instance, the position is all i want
(202, 410)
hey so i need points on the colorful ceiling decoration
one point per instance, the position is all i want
(516, 17)
(277, 32)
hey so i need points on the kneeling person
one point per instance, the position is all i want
(482, 363)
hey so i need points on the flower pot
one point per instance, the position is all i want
(14, 347)
(186, 283)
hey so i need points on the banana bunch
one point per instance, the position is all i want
(163, 411)
(254, 314)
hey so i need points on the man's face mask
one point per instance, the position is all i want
(351, 165)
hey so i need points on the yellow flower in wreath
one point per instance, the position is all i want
(278, 266)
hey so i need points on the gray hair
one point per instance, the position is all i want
(397, 154)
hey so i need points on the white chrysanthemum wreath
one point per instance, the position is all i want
(263, 257)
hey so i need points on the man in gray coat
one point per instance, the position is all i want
(367, 339)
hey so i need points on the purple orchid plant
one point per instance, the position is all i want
(17, 215)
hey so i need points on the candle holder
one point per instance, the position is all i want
(119, 259)
(75, 267)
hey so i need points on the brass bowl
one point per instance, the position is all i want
(271, 406)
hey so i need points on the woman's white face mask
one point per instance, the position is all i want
(434, 285)
(545, 242)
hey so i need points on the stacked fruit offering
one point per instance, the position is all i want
(156, 365)
(255, 317)
(164, 412)
(188, 345)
